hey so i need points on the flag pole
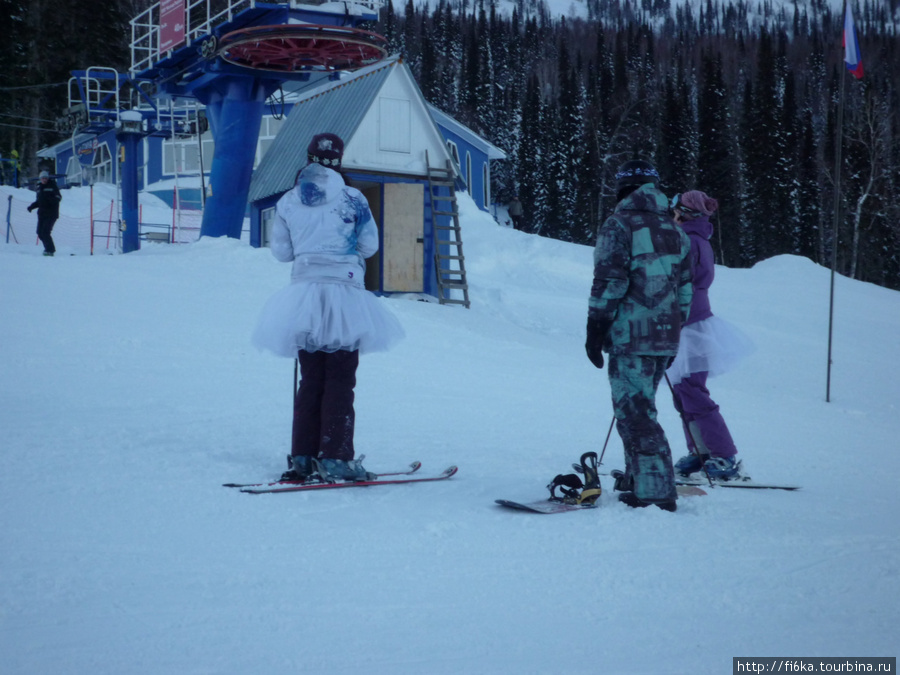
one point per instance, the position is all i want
(834, 232)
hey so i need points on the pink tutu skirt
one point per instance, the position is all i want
(713, 345)
(325, 317)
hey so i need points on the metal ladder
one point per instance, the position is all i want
(450, 266)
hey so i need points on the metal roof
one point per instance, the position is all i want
(338, 108)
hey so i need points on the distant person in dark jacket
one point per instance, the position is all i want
(47, 204)
(640, 298)
(515, 212)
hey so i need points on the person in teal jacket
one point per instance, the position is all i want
(640, 298)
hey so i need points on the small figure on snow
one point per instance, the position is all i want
(709, 346)
(47, 204)
(325, 317)
(514, 209)
(640, 298)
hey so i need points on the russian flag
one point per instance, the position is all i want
(852, 57)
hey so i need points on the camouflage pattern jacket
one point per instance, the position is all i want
(642, 276)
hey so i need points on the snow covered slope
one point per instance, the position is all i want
(129, 392)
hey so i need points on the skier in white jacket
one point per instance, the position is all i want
(325, 317)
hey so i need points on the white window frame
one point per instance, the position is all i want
(394, 125)
(266, 220)
(102, 165)
(268, 130)
(188, 155)
(454, 154)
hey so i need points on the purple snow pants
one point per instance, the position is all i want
(323, 407)
(701, 418)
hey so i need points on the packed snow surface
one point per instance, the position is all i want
(129, 393)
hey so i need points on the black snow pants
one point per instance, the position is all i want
(323, 407)
(44, 228)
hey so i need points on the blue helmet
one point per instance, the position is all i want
(634, 173)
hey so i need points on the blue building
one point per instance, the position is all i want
(472, 155)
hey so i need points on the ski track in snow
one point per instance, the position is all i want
(129, 392)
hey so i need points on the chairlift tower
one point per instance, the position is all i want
(230, 55)
(102, 99)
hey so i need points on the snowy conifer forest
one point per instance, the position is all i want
(737, 98)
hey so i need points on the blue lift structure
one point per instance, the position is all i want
(230, 55)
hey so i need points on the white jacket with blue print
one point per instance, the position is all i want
(325, 227)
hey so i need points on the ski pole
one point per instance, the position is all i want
(695, 450)
(606, 442)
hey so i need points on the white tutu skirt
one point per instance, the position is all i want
(325, 317)
(713, 345)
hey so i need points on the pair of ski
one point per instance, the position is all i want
(389, 478)
(743, 482)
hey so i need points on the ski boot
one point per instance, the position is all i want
(722, 468)
(690, 464)
(625, 484)
(300, 469)
(332, 470)
(635, 502)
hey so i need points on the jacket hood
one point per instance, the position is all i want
(647, 198)
(699, 226)
(317, 185)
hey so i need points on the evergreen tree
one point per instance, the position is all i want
(566, 159)
(718, 166)
(807, 192)
(43, 42)
(409, 41)
(529, 159)
(675, 162)
(450, 51)
(429, 80)
(763, 147)
(388, 23)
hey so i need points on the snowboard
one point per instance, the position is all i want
(556, 506)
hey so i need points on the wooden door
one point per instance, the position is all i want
(404, 231)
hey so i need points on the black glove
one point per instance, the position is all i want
(31, 208)
(597, 330)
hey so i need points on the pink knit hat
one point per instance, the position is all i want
(699, 201)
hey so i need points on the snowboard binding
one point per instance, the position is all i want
(575, 490)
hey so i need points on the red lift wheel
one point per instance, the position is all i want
(292, 48)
